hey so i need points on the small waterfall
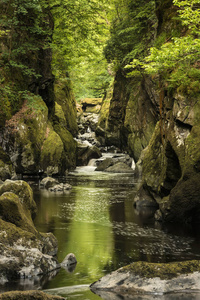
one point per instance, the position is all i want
(133, 164)
(92, 162)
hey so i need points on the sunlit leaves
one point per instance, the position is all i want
(177, 60)
(80, 31)
(189, 13)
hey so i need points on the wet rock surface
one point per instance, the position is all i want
(143, 278)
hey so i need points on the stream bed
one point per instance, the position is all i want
(97, 222)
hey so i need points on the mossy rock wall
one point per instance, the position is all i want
(27, 96)
(133, 113)
(32, 143)
(65, 98)
(170, 163)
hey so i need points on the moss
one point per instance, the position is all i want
(65, 98)
(11, 210)
(10, 234)
(60, 114)
(135, 146)
(28, 295)
(104, 112)
(28, 127)
(69, 144)
(154, 166)
(4, 157)
(192, 157)
(162, 270)
(52, 150)
(184, 200)
(23, 191)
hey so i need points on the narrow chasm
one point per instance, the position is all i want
(173, 170)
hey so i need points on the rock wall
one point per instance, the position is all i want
(170, 163)
(132, 114)
(160, 129)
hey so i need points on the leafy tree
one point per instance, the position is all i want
(177, 60)
(25, 33)
(81, 28)
(132, 30)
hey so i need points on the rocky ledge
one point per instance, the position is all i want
(150, 278)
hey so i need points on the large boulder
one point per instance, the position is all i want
(86, 152)
(92, 105)
(119, 167)
(48, 182)
(25, 252)
(106, 163)
(143, 278)
(23, 191)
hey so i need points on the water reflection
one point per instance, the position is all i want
(96, 221)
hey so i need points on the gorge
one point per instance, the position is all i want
(144, 104)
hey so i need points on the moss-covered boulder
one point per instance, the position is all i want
(91, 105)
(120, 167)
(28, 295)
(11, 210)
(24, 251)
(23, 191)
(24, 135)
(142, 278)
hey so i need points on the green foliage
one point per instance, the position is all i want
(131, 31)
(177, 60)
(80, 31)
(91, 78)
(23, 32)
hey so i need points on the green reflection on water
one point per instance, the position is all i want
(80, 221)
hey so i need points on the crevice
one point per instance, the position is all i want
(173, 171)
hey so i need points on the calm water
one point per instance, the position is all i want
(96, 221)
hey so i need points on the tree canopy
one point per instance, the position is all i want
(81, 29)
(177, 59)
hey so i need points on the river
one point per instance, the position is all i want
(97, 222)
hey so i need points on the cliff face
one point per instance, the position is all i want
(160, 129)
(170, 163)
(30, 106)
(133, 114)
